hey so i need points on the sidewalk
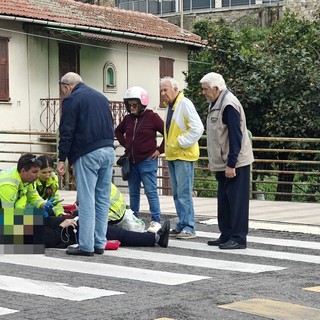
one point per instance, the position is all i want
(285, 216)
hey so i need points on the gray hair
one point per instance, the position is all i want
(174, 83)
(71, 78)
(214, 79)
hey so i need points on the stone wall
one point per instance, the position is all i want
(260, 16)
(304, 8)
(105, 3)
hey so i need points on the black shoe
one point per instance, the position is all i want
(231, 244)
(98, 251)
(163, 232)
(76, 251)
(215, 242)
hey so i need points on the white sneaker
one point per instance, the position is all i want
(154, 227)
(186, 235)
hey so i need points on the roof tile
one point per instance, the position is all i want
(81, 14)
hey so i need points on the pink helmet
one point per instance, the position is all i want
(136, 93)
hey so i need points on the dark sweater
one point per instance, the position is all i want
(137, 134)
(86, 123)
(231, 117)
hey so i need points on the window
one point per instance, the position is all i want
(166, 70)
(109, 77)
(4, 70)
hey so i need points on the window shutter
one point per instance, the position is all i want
(4, 70)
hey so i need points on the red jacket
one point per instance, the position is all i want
(137, 134)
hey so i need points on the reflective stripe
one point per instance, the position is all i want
(5, 204)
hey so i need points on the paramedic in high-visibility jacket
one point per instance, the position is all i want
(17, 187)
(117, 207)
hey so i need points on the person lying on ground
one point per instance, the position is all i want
(59, 233)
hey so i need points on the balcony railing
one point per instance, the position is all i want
(50, 114)
(160, 7)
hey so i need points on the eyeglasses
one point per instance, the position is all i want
(133, 105)
(63, 83)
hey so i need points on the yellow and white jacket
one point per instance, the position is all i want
(186, 128)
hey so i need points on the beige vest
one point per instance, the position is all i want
(218, 138)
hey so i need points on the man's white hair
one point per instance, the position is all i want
(214, 79)
(174, 83)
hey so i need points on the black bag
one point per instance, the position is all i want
(124, 163)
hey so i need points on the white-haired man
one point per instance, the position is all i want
(230, 156)
(183, 129)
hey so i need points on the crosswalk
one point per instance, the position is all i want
(189, 256)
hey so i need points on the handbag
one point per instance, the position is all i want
(124, 163)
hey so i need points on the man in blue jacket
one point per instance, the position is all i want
(86, 140)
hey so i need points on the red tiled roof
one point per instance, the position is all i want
(101, 19)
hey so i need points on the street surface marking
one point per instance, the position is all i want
(273, 241)
(53, 289)
(272, 309)
(315, 289)
(193, 261)
(276, 226)
(4, 311)
(247, 252)
(101, 269)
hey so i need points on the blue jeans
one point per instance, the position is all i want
(181, 177)
(93, 172)
(145, 172)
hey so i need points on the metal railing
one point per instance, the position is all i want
(14, 143)
(286, 169)
(173, 6)
(50, 114)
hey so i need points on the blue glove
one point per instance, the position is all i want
(49, 205)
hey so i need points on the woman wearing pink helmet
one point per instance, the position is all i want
(137, 133)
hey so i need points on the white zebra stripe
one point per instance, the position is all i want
(102, 269)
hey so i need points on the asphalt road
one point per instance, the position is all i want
(276, 277)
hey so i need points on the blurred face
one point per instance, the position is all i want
(28, 176)
(133, 105)
(211, 94)
(45, 174)
(167, 92)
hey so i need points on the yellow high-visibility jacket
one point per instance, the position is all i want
(16, 194)
(49, 191)
(117, 205)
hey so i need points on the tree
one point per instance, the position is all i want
(275, 73)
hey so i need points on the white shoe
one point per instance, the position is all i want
(186, 235)
(154, 227)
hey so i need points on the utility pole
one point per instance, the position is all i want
(181, 15)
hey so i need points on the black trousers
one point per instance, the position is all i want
(233, 205)
(55, 237)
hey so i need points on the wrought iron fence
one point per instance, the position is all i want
(50, 114)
